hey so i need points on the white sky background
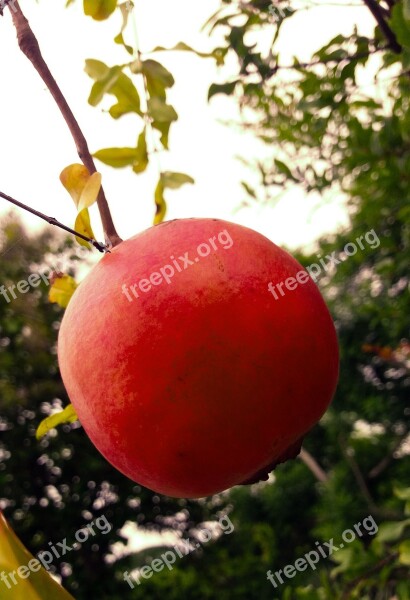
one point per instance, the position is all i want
(36, 145)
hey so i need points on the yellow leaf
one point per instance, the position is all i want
(37, 584)
(82, 187)
(90, 192)
(404, 550)
(99, 9)
(74, 178)
(61, 291)
(83, 225)
(160, 204)
(68, 415)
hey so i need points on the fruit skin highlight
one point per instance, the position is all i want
(204, 382)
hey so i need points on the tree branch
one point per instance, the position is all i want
(313, 466)
(378, 14)
(374, 569)
(313, 63)
(30, 47)
(385, 462)
(53, 221)
(358, 475)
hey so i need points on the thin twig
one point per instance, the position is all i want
(53, 221)
(385, 462)
(29, 46)
(325, 61)
(358, 475)
(374, 569)
(313, 466)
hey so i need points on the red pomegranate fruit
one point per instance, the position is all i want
(186, 372)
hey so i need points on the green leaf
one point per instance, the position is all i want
(163, 128)
(62, 290)
(365, 104)
(349, 71)
(142, 158)
(68, 415)
(137, 158)
(125, 9)
(117, 157)
(402, 493)
(155, 71)
(160, 111)
(38, 585)
(283, 168)
(248, 189)
(178, 46)
(104, 86)
(160, 204)
(404, 556)
(173, 181)
(406, 58)
(218, 54)
(99, 9)
(400, 25)
(406, 10)
(111, 80)
(127, 96)
(96, 69)
(392, 530)
(222, 88)
(345, 558)
(157, 77)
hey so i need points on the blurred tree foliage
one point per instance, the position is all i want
(331, 134)
(52, 488)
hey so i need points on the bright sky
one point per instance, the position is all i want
(36, 146)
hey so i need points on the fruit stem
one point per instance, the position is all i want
(29, 46)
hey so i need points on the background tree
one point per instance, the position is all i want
(328, 134)
(52, 488)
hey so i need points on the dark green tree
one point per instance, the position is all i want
(49, 489)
